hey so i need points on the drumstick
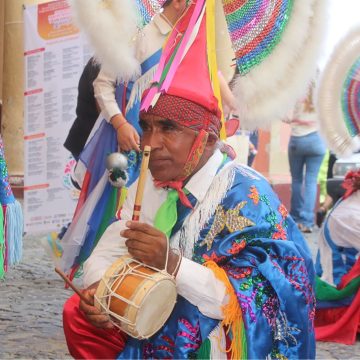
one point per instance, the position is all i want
(68, 281)
(141, 183)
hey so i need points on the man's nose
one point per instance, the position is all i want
(153, 139)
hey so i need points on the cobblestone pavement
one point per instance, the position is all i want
(31, 299)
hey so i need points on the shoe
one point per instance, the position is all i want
(305, 229)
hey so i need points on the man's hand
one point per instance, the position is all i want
(92, 313)
(149, 246)
(127, 137)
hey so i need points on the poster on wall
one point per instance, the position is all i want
(54, 56)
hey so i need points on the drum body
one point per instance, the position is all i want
(139, 299)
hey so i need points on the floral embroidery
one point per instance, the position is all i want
(245, 304)
(213, 257)
(191, 333)
(262, 295)
(236, 247)
(271, 218)
(275, 354)
(237, 272)
(280, 233)
(149, 350)
(270, 310)
(254, 195)
(265, 199)
(283, 211)
(232, 219)
(298, 277)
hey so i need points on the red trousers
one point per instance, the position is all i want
(86, 341)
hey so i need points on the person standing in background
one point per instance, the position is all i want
(306, 151)
(253, 146)
(86, 110)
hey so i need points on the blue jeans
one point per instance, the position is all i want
(305, 157)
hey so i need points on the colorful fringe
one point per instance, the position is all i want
(14, 228)
(11, 220)
(233, 320)
(255, 28)
(350, 99)
(11, 233)
(2, 245)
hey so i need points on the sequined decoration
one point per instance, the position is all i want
(275, 354)
(262, 295)
(278, 229)
(149, 350)
(213, 257)
(283, 330)
(255, 28)
(232, 219)
(350, 99)
(254, 195)
(148, 8)
(297, 275)
(191, 333)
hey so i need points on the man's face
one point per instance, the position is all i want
(170, 146)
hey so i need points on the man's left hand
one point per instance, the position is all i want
(149, 245)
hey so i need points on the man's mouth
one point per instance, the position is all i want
(158, 161)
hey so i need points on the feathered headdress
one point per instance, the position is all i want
(339, 96)
(112, 27)
(275, 45)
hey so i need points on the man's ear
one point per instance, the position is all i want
(211, 141)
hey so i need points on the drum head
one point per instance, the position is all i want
(156, 308)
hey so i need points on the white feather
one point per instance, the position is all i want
(270, 90)
(111, 28)
(332, 123)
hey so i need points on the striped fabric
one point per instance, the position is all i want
(255, 28)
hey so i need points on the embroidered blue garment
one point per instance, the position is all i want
(252, 237)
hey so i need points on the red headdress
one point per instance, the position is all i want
(183, 88)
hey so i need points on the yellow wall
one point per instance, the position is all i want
(12, 80)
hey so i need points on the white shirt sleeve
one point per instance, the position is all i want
(104, 91)
(109, 248)
(200, 287)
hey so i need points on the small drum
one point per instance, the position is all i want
(138, 298)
